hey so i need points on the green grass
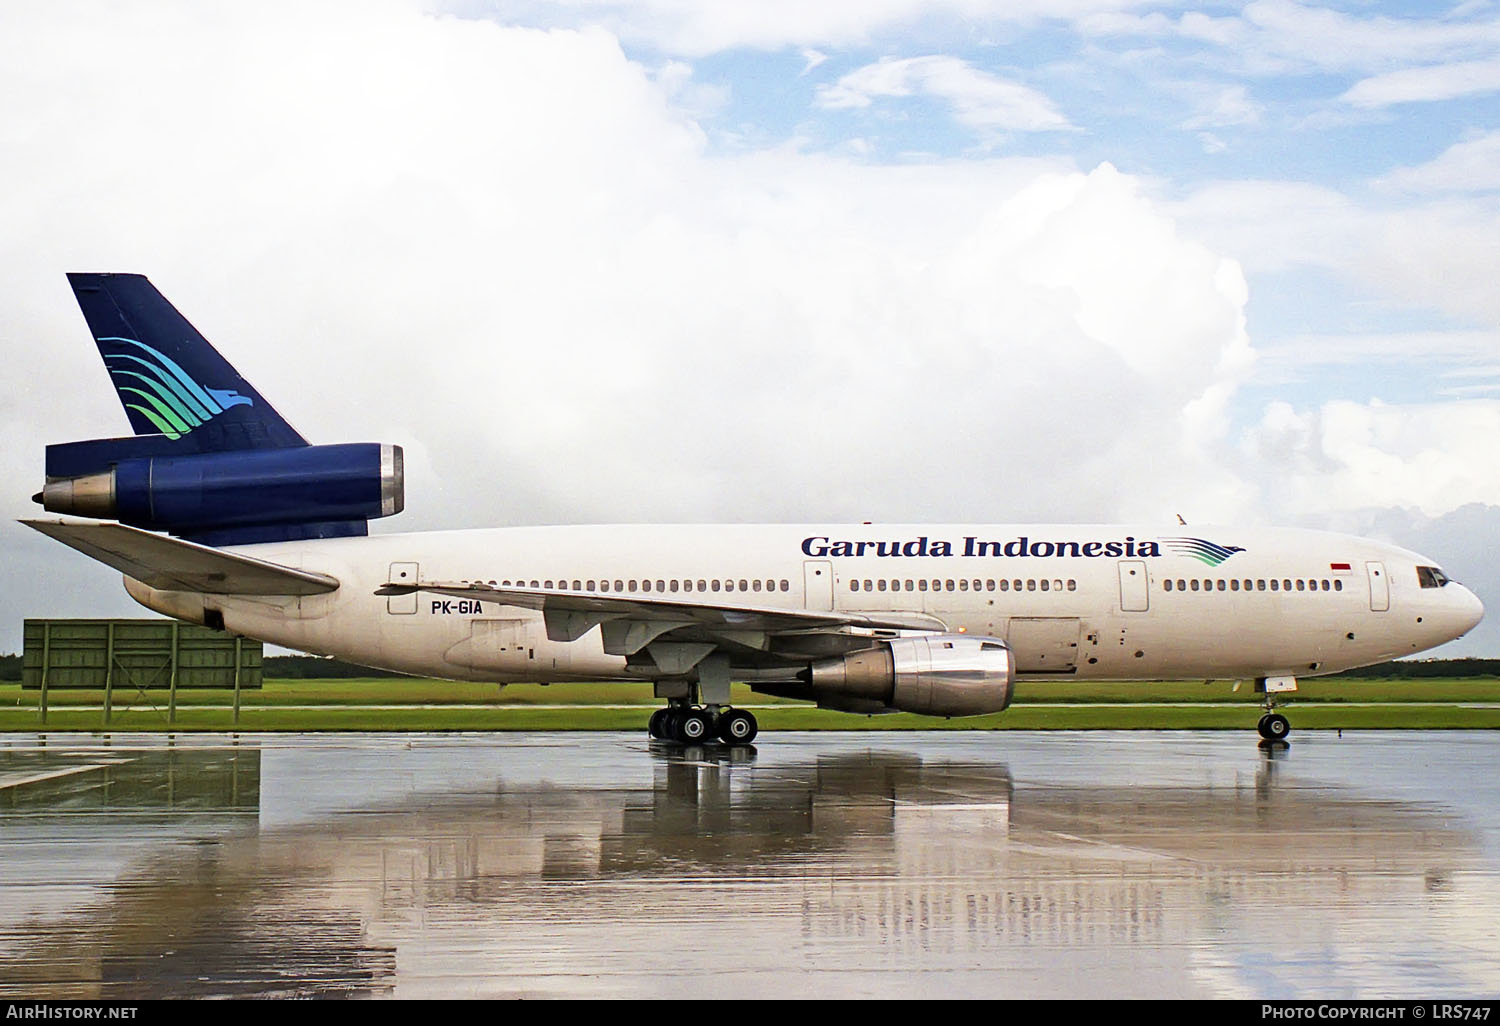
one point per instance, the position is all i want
(345, 705)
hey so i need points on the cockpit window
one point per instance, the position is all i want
(1431, 577)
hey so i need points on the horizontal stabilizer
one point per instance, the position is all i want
(169, 564)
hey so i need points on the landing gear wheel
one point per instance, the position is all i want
(1274, 727)
(658, 725)
(738, 727)
(693, 727)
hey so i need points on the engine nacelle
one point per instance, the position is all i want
(935, 675)
(210, 491)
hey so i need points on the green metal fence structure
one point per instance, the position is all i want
(135, 655)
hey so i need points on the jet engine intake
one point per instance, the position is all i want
(934, 675)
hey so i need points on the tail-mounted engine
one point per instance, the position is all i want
(935, 675)
(228, 497)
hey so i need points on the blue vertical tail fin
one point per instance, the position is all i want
(171, 381)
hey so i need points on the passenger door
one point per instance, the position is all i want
(402, 573)
(1135, 595)
(817, 584)
(1380, 588)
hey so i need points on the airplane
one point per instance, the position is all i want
(219, 513)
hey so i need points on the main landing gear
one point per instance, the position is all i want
(691, 724)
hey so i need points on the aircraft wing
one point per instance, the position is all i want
(171, 564)
(633, 622)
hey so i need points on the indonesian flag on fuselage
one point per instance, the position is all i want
(1341, 568)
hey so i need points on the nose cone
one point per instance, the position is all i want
(1470, 611)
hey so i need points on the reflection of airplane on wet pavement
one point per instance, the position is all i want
(706, 869)
(271, 541)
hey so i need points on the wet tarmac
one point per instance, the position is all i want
(1082, 865)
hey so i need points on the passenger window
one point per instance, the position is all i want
(937, 585)
(1044, 584)
(1301, 584)
(853, 585)
(546, 584)
(1004, 585)
(1195, 584)
(963, 585)
(869, 585)
(1260, 585)
(1286, 585)
(989, 585)
(534, 584)
(755, 584)
(674, 585)
(645, 585)
(744, 586)
(1016, 584)
(715, 584)
(1219, 585)
(1325, 584)
(1234, 584)
(1274, 584)
(1031, 584)
(880, 584)
(1338, 585)
(922, 584)
(786, 585)
(1072, 584)
(702, 585)
(949, 585)
(661, 585)
(1057, 585)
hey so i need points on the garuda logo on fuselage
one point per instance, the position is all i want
(1201, 549)
(174, 403)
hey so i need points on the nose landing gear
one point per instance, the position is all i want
(1274, 727)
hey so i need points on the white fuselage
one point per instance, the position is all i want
(1072, 601)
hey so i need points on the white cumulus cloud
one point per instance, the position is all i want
(979, 99)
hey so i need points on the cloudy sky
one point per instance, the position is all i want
(665, 260)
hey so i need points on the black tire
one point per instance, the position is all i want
(1277, 727)
(738, 727)
(693, 728)
(658, 725)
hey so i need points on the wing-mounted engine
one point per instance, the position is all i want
(227, 497)
(935, 675)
